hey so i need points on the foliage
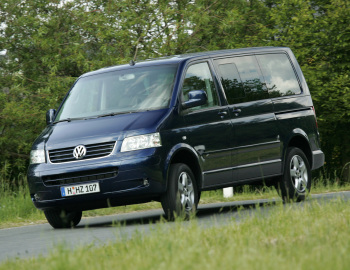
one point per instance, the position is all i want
(303, 236)
(51, 43)
(16, 207)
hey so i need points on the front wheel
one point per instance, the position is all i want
(295, 184)
(181, 198)
(63, 219)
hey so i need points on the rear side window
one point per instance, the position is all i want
(242, 79)
(232, 83)
(279, 75)
(198, 77)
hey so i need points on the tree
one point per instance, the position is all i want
(49, 44)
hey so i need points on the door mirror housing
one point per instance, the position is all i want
(50, 116)
(195, 98)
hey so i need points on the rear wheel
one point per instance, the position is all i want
(63, 219)
(295, 184)
(181, 198)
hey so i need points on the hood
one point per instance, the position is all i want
(99, 130)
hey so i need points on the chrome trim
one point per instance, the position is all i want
(241, 147)
(67, 162)
(79, 151)
(244, 166)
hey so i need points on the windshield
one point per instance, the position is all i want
(123, 91)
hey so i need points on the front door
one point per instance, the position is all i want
(209, 126)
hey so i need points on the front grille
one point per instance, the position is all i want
(92, 151)
(77, 177)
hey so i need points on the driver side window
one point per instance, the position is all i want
(198, 77)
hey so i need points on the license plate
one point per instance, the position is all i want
(80, 189)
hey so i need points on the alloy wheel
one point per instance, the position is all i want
(298, 173)
(186, 191)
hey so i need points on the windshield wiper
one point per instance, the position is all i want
(70, 119)
(63, 120)
(92, 117)
(112, 114)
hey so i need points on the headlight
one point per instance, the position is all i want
(141, 142)
(37, 156)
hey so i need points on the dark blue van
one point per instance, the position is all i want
(169, 128)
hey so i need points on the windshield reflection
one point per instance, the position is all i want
(118, 92)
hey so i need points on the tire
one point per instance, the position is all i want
(181, 198)
(61, 219)
(295, 184)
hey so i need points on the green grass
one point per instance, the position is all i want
(314, 235)
(17, 209)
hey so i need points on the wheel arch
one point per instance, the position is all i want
(301, 141)
(183, 153)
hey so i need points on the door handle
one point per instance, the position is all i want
(222, 114)
(236, 111)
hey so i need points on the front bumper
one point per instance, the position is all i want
(128, 181)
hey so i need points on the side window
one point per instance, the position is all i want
(242, 79)
(279, 75)
(198, 77)
(232, 83)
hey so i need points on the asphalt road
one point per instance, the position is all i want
(33, 240)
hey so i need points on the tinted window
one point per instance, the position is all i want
(241, 79)
(198, 77)
(279, 75)
(231, 82)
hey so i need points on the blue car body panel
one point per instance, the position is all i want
(223, 147)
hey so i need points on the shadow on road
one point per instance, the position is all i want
(209, 210)
(157, 216)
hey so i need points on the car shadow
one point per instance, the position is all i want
(158, 216)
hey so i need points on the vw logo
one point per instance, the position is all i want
(79, 152)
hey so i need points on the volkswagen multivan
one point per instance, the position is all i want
(169, 128)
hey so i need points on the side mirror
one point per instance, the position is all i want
(195, 98)
(50, 116)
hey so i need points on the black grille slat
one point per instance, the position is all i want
(57, 160)
(61, 155)
(64, 151)
(56, 151)
(96, 155)
(101, 147)
(92, 151)
(100, 151)
(78, 177)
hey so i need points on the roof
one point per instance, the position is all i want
(175, 59)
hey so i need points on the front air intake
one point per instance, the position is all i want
(78, 177)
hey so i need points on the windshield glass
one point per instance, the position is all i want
(122, 91)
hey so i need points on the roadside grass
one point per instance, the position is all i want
(312, 235)
(17, 209)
